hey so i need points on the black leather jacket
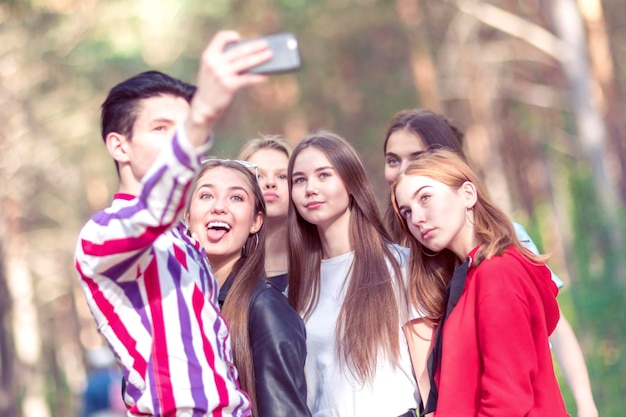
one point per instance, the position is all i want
(278, 342)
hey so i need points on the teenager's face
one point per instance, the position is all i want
(273, 180)
(221, 213)
(402, 148)
(154, 126)
(318, 192)
(435, 213)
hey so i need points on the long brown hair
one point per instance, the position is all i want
(370, 317)
(247, 271)
(494, 231)
(435, 131)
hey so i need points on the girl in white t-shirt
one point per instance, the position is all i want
(346, 279)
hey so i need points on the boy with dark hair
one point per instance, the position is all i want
(148, 285)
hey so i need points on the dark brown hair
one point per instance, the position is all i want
(370, 317)
(121, 107)
(435, 131)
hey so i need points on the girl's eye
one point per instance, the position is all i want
(393, 162)
(237, 198)
(424, 198)
(405, 213)
(325, 175)
(205, 196)
(282, 177)
(298, 180)
(160, 129)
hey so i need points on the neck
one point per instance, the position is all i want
(128, 183)
(335, 238)
(276, 246)
(464, 243)
(222, 268)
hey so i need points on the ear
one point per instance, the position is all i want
(117, 145)
(468, 193)
(257, 223)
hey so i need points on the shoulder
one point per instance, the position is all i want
(400, 253)
(279, 281)
(268, 303)
(507, 266)
(509, 270)
(271, 316)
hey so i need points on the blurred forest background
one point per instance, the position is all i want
(536, 85)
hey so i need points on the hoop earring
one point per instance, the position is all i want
(467, 210)
(431, 255)
(256, 243)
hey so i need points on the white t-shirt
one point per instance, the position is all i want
(332, 389)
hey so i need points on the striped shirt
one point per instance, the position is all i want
(154, 297)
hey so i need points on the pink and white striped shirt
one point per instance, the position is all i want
(154, 297)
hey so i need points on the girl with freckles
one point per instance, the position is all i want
(346, 278)
(493, 301)
(226, 215)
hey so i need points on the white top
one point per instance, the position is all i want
(332, 389)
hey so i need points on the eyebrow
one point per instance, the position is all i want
(232, 188)
(416, 153)
(415, 194)
(163, 120)
(315, 170)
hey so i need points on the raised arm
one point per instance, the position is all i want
(116, 237)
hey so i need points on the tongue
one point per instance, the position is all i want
(216, 234)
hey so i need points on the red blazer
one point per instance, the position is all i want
(496, 360)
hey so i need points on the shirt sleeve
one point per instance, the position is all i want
(114, 238)
(278, 342)
(507, 346)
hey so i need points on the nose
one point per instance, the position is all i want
(311, 187)
(270, 182)
(403, 165)
(219, 206)
(417, 217)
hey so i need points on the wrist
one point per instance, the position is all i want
(198, 129)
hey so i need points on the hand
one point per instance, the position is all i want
(220, 76)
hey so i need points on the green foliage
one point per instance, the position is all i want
(59, 58)
(598, 296)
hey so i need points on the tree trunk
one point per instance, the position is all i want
(8, 407)
(592, 133)
(422, 65)
(608, 90)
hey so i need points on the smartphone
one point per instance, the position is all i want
(285, 58)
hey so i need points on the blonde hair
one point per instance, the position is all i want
(275, 142)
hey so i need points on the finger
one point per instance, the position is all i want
(246, 48)
(245, 62)
(221, 39)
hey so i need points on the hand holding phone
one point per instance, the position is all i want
(285, 54)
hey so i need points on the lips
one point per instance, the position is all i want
(216, 230)
(313, 204)
(427, 233)
(269, 197)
